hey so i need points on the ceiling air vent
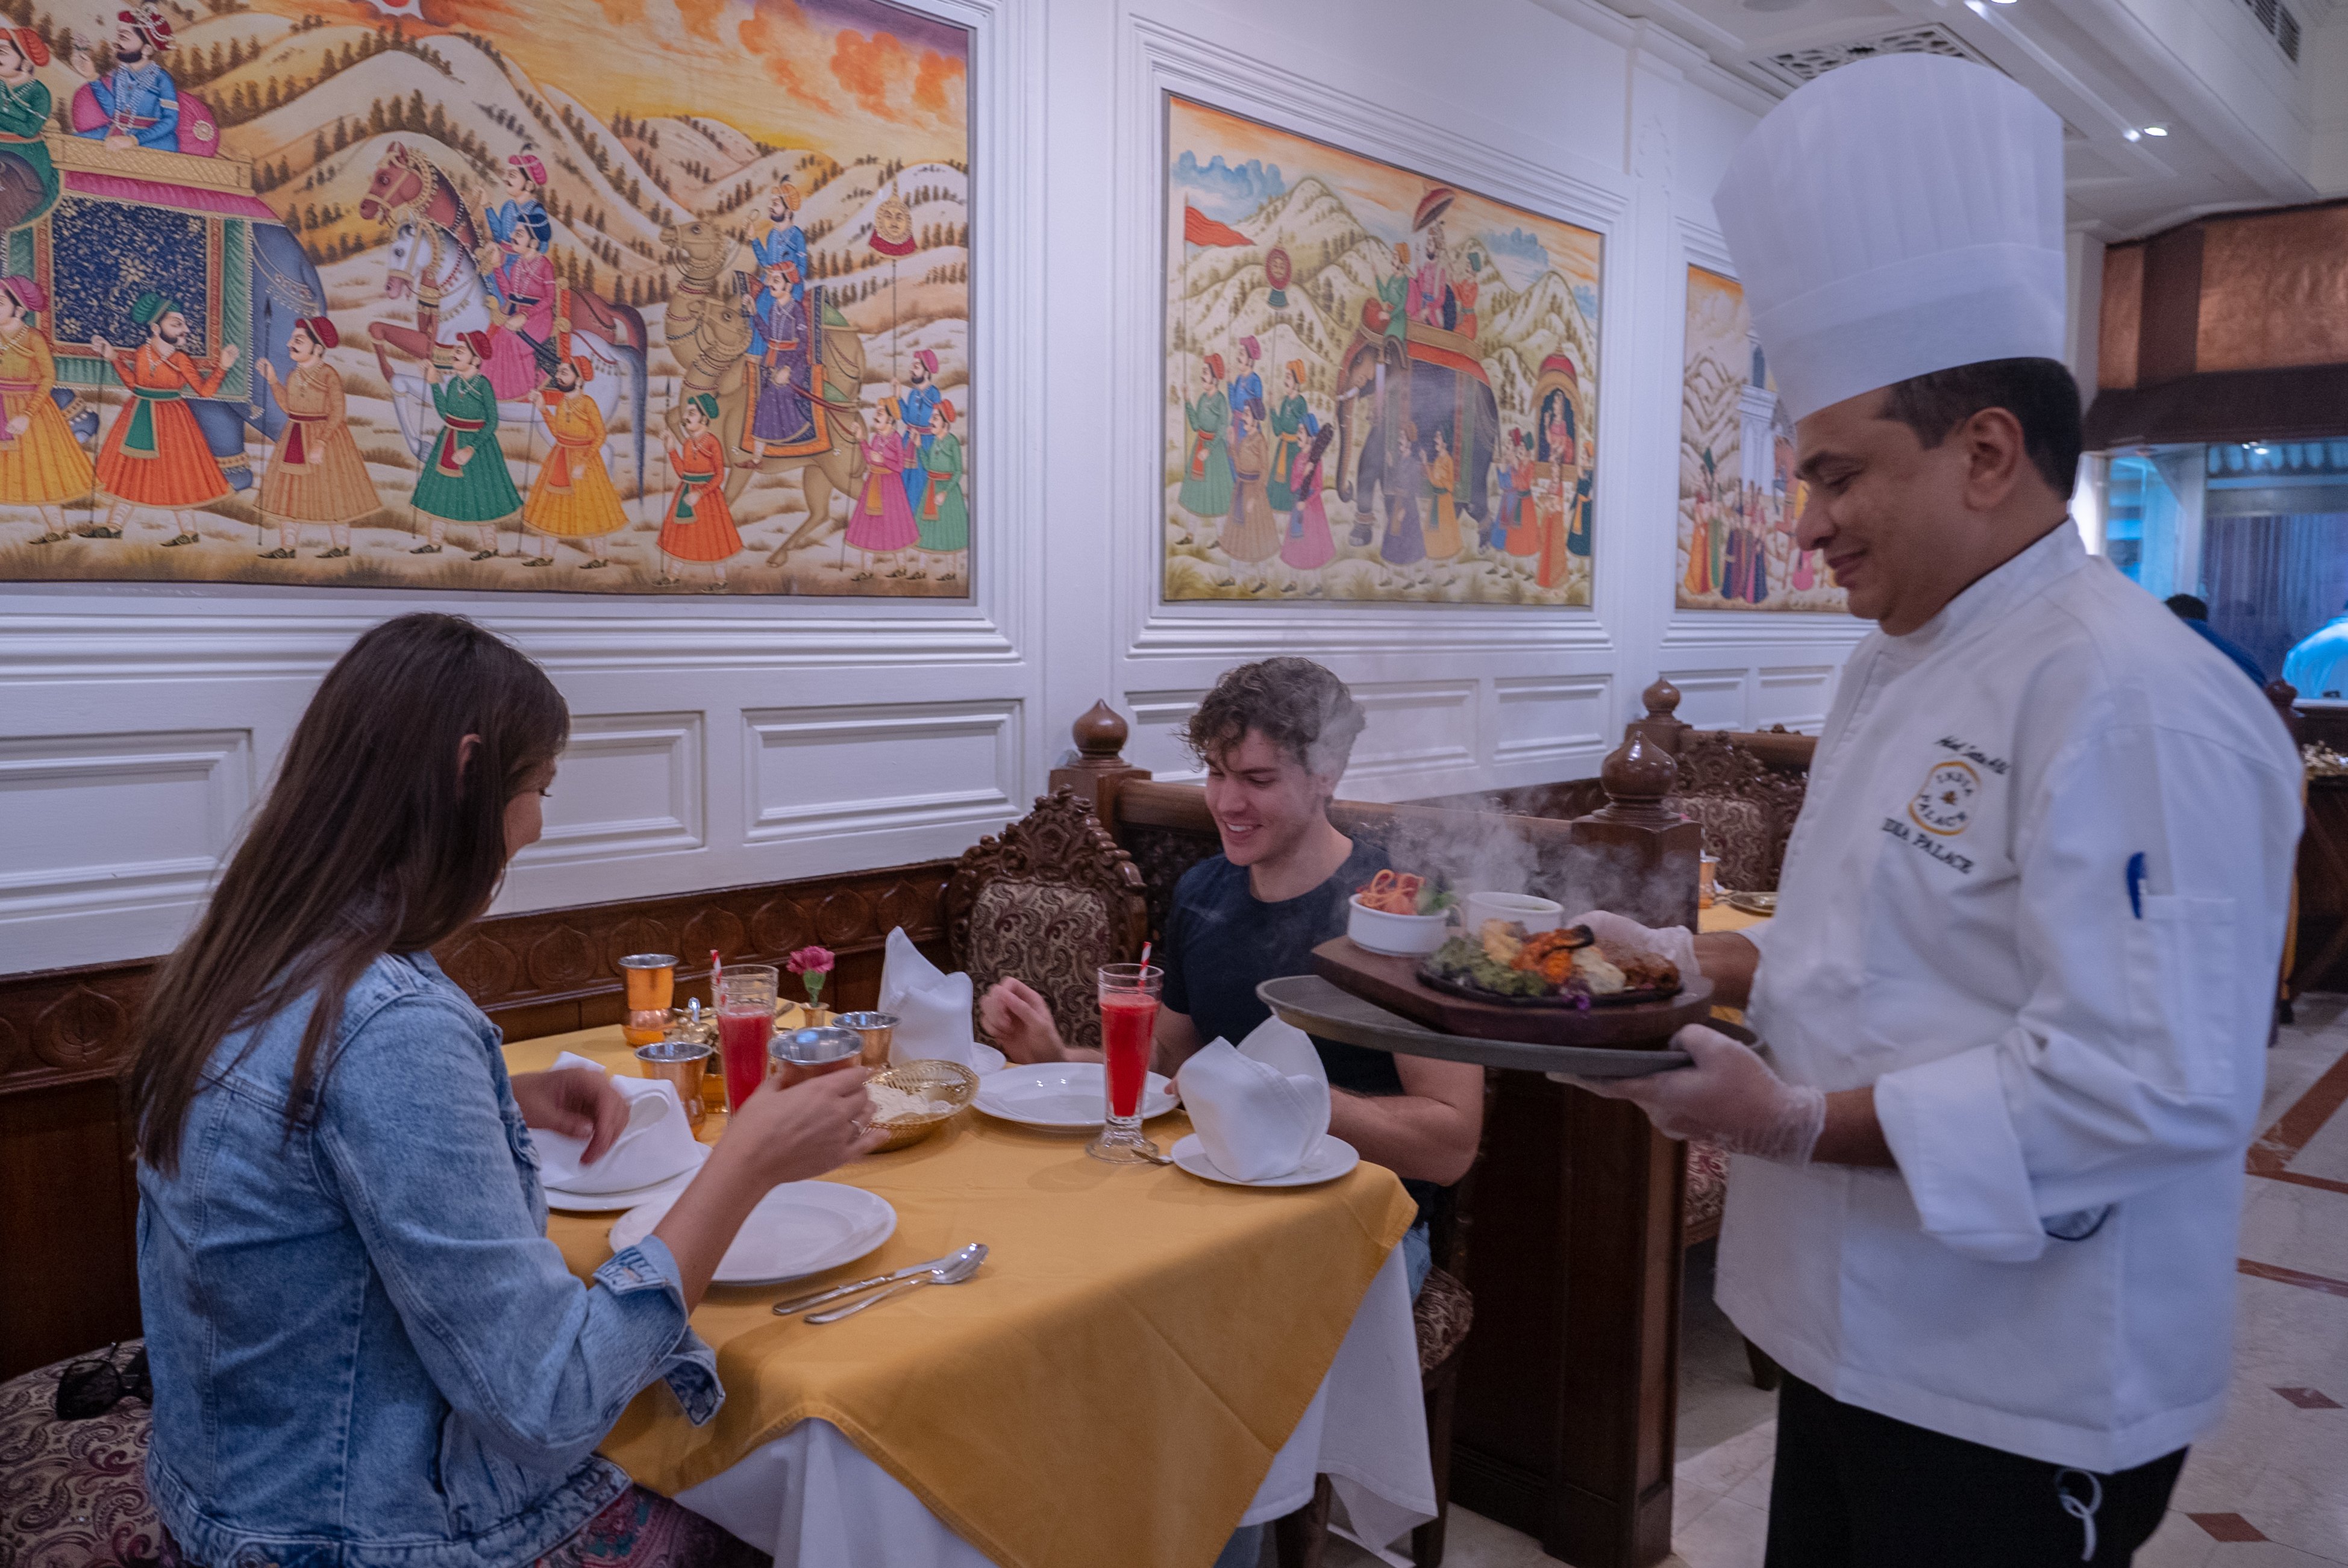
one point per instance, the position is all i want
(1800, 66)
(2276, 18)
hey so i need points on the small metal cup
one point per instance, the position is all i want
(803, 1053)
(878, 1029)
(682, 1062)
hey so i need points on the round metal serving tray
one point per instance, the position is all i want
(1318, 1007)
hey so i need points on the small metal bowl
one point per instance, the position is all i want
(947, 1085)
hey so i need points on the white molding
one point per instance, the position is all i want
(217, 762)
(1596, 690)
(676, 740)
(1406, 723)
(1560, 184)
(773, 735)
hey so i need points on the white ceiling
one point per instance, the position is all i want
(2248, 127)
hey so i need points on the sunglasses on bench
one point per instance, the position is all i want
(93, 1386)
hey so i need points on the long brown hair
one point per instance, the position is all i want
(373, 840)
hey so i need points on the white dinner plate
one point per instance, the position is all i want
(1061, 1094)
(1332, 1159)
(631, 1197)
(798, 1229)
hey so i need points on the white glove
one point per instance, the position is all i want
(1727, 1096)
(1676, 943)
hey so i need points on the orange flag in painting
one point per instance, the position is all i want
(1197, 229)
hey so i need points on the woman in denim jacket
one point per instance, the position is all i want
(366, 1351)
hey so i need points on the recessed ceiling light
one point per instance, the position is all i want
(2156, 130)
(2133, 134)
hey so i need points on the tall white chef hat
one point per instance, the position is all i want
(1897, 216)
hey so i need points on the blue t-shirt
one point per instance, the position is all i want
(1221, 941)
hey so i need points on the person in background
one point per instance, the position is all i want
(1276, 737)
(1985, 1186)
(317, 473)
(2194, 610)
(2318, 664)
(365, 1348)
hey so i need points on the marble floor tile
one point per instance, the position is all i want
(2177, 1543)
(1728, 1535)
(2305, 1228)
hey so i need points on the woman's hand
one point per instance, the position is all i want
(1020, 1021)
(577, 1101)
(813, 1126)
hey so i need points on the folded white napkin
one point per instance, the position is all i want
(656, 1144)
(1260, 1107)
(933, 1007)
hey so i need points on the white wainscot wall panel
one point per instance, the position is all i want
(1711, 699)
(629, 784)
(821, 772)
(1156, 743)
(93, 826)
(1555, 720)
(1421, 738)
(1795, 696)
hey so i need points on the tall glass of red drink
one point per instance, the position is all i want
(746, 1018)
(1129, 1004)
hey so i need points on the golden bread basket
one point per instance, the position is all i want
(948, 1085)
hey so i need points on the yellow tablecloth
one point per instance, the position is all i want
(1721, 917)
(1109, 1388)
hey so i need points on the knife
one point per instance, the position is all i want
(800, 1304)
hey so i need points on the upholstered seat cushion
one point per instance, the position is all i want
(1708, 1190)
(1738, 831)
(73, 1495)
(1442, 1316)
(1054, 938)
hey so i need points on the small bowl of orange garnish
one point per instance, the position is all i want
(1400, 914)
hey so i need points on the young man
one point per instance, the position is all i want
(1276, 737)
(1987, 1183)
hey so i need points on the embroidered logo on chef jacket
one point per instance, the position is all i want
(1945, 804)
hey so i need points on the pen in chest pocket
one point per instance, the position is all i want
(2135, 884)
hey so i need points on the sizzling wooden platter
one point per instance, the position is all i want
(1393, 984)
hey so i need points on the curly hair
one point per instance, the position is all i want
(1294, 703)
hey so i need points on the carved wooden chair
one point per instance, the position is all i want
(1050, 899)
(1746, 806)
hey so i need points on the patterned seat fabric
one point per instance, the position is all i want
(73, 1495)
(1442, 1315)
(1055, 938)
(1708, 1190)
(1738, 831)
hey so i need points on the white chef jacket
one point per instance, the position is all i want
(2055, 1044)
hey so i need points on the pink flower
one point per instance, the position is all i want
(810, 961)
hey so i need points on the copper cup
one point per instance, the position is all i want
(652, 987)
(683, 1063)
(877, 1029)
(803, 1053)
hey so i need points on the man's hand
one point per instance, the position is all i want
(228, 356)
(577, 1101)
(1020, 1021)
(1726, 1096)
(1676, 943)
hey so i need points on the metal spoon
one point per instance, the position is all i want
(951, 1271)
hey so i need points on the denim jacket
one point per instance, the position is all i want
(367, 1353)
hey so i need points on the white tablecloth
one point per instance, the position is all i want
(814, 1501)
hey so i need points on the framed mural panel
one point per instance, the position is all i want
(1739, 499)
(576, 297)
(1380, 385)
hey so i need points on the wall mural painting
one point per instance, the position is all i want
(1738, 496)
(1380, 386)
(593, 296)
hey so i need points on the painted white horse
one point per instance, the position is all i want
(425, 264)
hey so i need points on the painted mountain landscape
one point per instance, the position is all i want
(643, 296)
(1379, 385)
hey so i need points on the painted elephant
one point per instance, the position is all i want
(1390, 403)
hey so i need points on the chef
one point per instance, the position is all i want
(1985, 1181)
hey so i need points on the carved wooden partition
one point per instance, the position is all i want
(1566, 1421)
(68, 1225)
